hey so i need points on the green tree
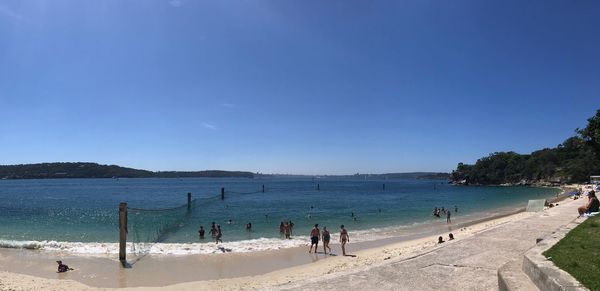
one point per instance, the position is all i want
(591, 133)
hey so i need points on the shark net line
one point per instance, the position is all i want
(150, 226)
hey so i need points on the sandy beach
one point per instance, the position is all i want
(30, 270)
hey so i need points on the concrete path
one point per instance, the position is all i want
(468, 264)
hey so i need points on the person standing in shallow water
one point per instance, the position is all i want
(219, 234)
(281, 229)
(201, 232)
(288, 230)
(448, 217)
(315, 235)
(344, 238)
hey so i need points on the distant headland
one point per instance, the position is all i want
(60, 170)
(94, 170)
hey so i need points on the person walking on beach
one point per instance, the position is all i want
(201, 232)
(219, 234)
(326, 239)
(315, 235)
(448, 217)
(344, 238)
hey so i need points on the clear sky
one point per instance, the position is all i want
(306, 87)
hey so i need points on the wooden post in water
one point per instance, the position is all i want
(263, 188)
(222, 193)
(189, 200)
(122, 231)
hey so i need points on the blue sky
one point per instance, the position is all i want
(306, 87)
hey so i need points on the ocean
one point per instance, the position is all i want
(81, 215)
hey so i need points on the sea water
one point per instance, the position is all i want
(81, 215)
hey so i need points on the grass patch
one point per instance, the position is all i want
(578, 253)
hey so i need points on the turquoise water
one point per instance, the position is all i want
(86, 210)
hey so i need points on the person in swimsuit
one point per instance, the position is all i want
(315, 235)
(592, 205)
(288, 230)
(219, 234)
(448, 217)
(201, 232)
(213, 230)
(344, 238)
(326, 238)
(281, 229)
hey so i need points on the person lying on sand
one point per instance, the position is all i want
(62, 267)
(440, 240)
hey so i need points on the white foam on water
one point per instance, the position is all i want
(209, 247)
(94, 248)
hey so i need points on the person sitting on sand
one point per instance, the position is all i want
(201, 232)
(450, 236)
(62, 267)
(592, 205)
(344, 238)
(440, 240)
(315, 235)
(326, 238)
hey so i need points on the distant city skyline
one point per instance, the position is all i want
(293, 87)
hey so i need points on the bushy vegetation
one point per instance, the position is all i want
(572, 161)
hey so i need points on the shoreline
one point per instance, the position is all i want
(150, 271)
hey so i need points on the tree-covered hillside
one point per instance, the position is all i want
(572, 161)
(93, 170)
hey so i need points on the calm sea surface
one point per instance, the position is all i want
(84, 212)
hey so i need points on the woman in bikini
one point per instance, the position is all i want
(326, 238)
(344, 238)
